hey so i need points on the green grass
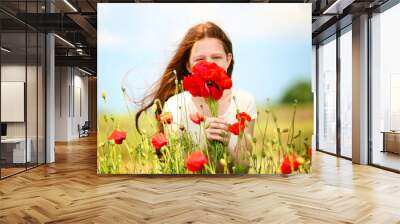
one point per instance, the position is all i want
(118, 159)
(303, 120)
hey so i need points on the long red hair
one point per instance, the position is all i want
(164, 88)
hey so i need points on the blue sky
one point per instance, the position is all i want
(271, 44)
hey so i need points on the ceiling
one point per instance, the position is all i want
(76, 22)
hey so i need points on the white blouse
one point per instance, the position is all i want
(183, 104)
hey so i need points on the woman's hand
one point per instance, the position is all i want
(217, 129)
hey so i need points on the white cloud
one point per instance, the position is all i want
(250, 21)
(153, 26)
(107, 39)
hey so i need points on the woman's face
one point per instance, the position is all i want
(211, 50)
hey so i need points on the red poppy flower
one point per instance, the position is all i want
(310, 153)
(289, 164)
(117, 136)
(207, 80)
(158, 141)
(243, 117)
(194, 84)
(239, 126)
(166, 118)
(197, 118)
(196, 161)
(236, 128)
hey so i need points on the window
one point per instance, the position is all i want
(22, 78)
(385, 89)
(346, 93)
(327, 96)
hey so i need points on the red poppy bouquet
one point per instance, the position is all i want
(208, 80)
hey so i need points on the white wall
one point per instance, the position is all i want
(80, 100)
(71, 93)
(61, 103)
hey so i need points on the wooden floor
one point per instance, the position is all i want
(10, 171)
(70, 191)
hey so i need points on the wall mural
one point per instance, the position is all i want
(204, 88)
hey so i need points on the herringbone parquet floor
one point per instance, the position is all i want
(69, 191)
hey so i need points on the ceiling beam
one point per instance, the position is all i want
(82, 61)
(337, 6)
(84, 24)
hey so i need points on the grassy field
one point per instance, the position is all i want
(304, 119)
(283, 113)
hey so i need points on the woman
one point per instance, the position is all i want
(205, 41)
